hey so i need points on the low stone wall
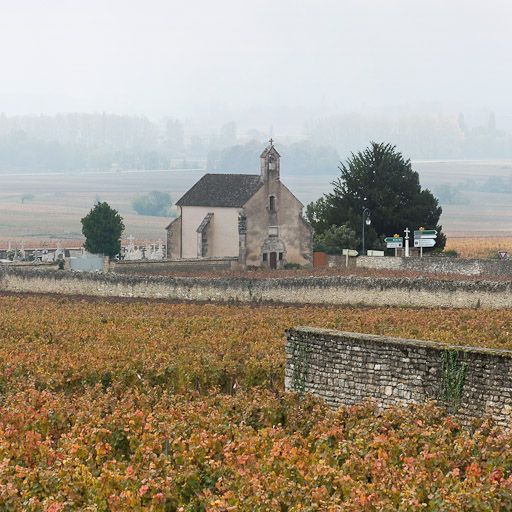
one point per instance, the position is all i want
(347, 368)
(341, 290)
(440, 265)
(29, 265)
(185, 265)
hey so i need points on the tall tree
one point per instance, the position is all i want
(380, 180)
(102, 228)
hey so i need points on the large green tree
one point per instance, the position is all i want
(381, 180)
(102, 228)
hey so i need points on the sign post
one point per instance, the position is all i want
(406, 231)
(424, 238)
(394, 242)
(347, 253)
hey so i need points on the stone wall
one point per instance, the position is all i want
(440, 265)
(30, 265)
(185, 265)
(348, 368)
(340, 290)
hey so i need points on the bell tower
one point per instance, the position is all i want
(270, 163)
(273, 250)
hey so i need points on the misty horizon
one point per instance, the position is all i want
(230, 60)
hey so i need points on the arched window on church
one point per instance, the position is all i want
(272, 204)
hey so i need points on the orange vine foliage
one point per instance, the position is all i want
(127, 406)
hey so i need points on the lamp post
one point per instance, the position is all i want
(366, 221)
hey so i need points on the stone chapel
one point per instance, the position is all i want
(250, 216)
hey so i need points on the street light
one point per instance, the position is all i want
(367, 221)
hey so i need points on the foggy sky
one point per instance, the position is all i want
(183, 58)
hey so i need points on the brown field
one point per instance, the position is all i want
(484, 247)
(59, 201)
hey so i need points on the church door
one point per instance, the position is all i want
(273, 260)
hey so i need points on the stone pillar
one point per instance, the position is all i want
(242, 240)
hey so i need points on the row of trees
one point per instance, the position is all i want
(300, 158)
(420, 136)
(377, 183)
(82, 141)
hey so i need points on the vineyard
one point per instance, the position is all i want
(131, 405)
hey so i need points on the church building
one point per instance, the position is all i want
(250, 216)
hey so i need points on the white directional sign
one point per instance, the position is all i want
(393, 242)
(424, 242)
(425, 233)
(349, 252)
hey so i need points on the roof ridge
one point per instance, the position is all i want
(221, 189)
(229, 174)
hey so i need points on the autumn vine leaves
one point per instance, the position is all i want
(126, 406)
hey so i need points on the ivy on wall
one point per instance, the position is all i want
(453, 378)
(300, 373)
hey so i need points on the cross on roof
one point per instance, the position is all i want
(271, 141)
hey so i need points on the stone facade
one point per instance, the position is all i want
(348, 368)
(280, 230)
(253, 217)
(174, 239)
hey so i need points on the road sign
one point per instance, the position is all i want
(349, 252)
(424, 242)
(503, 255)
(393, 242)
(425, 233)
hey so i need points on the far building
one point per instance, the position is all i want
(253, 217)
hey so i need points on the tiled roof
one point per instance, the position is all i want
(229, 190)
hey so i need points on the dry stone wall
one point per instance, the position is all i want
(437, 264)
(348, 368)
(341, 290)
(183, 265)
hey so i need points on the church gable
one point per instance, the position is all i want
(270, 150)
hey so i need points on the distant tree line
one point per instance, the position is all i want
(420, 136)
(298, 158)
(155, 203)
(91, 141)
(456, 193)
(106, 141)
